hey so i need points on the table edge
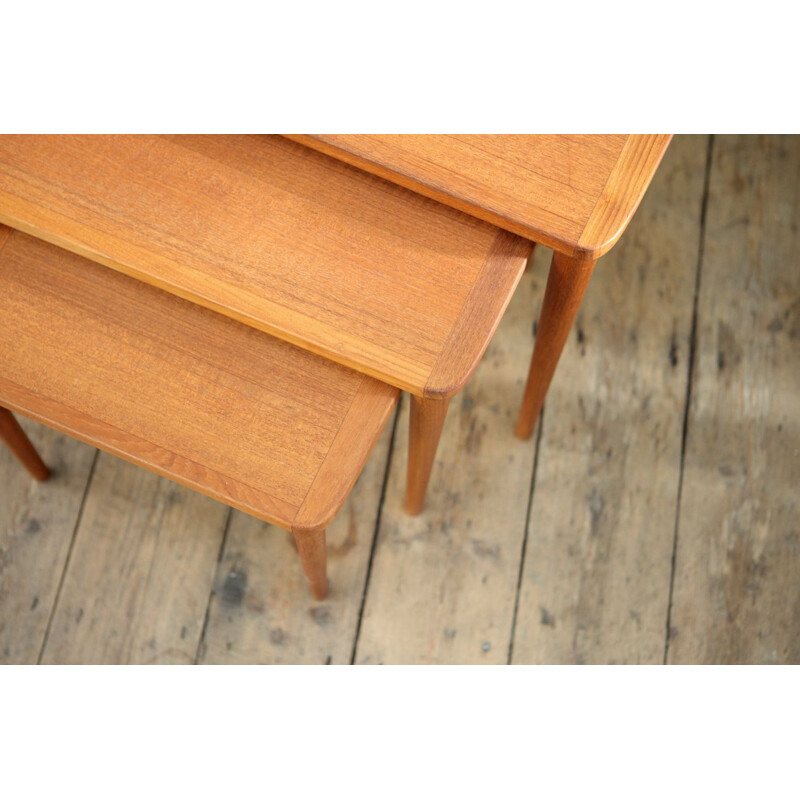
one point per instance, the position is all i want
(372, 405)
(585, 247)
(482, 311)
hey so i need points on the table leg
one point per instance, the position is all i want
(20, 445)
(566, 284)
(424, 431)
(312, 547)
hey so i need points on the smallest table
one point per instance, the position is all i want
(232, 412)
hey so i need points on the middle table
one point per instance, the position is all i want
(287, 240)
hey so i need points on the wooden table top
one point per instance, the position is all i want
(574, 193)
(244, 417)
(278, 236)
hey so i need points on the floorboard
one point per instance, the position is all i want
(736, 596)
(140, 572)
(598, 560)
(36, 528)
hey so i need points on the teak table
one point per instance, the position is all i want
(288, 241)
(239, 415)
(573, 193)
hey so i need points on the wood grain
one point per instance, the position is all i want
(275, 235)
(736, 594)
(36, 526)
(197, 397)
(353, 442)
(596, 578)
(140, 573)
(458, 356)
(574, 193)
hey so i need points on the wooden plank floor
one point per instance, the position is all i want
(653, 517)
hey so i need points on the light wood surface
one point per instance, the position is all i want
(574, 193)
(596, 580)
(222, 408)
(280, 237)
(737, 576)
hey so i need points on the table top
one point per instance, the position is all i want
(278, 236)
(218, 406)
(574, 193)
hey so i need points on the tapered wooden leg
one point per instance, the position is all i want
(566, 284)
(20, 445)
(424, 430)
(313, 552)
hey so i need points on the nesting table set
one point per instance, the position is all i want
(240, 313)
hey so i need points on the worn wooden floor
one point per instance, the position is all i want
(654, 517)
